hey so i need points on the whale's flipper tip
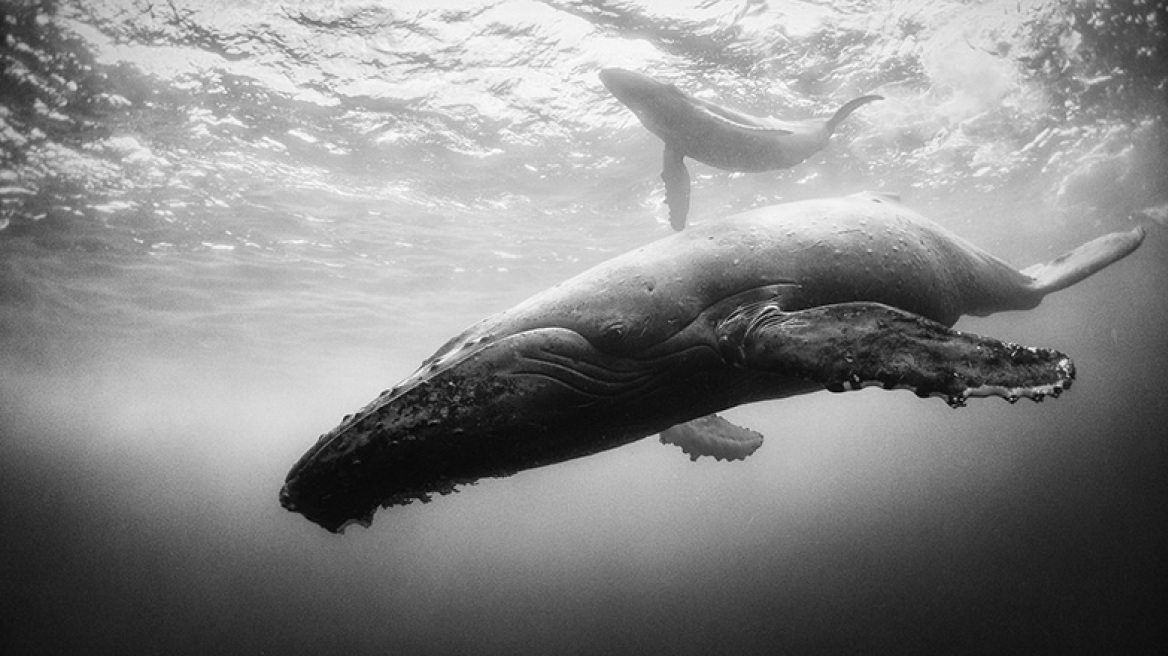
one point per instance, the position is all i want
(849, 346)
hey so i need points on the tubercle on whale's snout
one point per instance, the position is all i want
(317, 489)
(325, 484)
(340, 491)
(360, 465)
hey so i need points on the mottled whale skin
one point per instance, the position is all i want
(716, 135)
(834, 293)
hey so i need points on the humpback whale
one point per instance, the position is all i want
(833, 294)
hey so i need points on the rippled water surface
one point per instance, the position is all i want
(223, 225)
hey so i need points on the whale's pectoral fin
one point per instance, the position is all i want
(1069, 268)
(676, 178)
(740, 121)
(853, 345)
(712, 436)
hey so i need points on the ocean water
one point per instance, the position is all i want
(224, 225)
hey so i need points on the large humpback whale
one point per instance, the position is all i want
(783, 300)
(716, 135)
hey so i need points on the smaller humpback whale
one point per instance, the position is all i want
(783, 300)
(716, 135)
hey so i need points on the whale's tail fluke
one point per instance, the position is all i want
(847, 109)
(1092, 257)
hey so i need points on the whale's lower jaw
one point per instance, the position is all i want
(524, 401)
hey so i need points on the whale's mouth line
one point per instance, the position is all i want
(598, 377)
(587, 379)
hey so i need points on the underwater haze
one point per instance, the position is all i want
(226, 224)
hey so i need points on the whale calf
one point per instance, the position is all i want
(833, 294)
(716, 135)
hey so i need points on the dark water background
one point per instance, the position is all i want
(223, 225)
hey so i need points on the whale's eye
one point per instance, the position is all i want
(613, 332)
(611, 335)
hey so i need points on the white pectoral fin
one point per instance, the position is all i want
(712, 436)
(740, 121)
(848, 346)
(676, 178)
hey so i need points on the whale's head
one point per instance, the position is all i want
(483, 407)
(429, 433)
(626, 85)
(641, 93)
